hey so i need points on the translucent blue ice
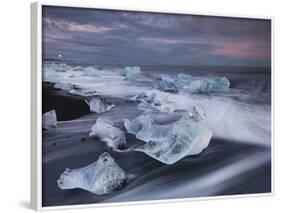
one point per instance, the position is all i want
(83, 92)
(91, 71)
(154, 102)
(101, 177)
(166, 83)
(137, 124)
(171, 142)
(49, 120)
(106, 131)
(190, 84)
(131, 73)
(56, 66)
(98, 105)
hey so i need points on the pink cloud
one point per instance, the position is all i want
(72, 26)
(244, 49)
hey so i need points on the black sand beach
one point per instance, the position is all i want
(224, 168)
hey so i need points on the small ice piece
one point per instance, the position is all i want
(143, 97)
(83, 92)
(131, 73)
(97, 105)
(166, 83)
(222, 84)
(134, 126)
(101, 177)
(49, 120)
(204, 85)
(63, 86)
(57, 67)
(171, 142)
(107, 132)
(163, 104)
(77, 68)
(154, 102)
(99, 67)
(139, 97)
(91, 71)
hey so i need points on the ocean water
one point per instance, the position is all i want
(237, 161)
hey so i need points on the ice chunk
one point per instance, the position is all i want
(78, 68)
(49, 120)
(101, 177)
(50, 77)
(153, 101)
(166, 83)
(98, 105)
(171, 142)
(146, 98)
(99, 67)
(137, 124)
(202, 85)
(56, 67)
(131, 73)
(139, 97)
(63, 86)
(107, 132)
(190, 84)
(91, 71)
(83, 92)
(163, 104)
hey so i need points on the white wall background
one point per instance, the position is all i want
(15, 107)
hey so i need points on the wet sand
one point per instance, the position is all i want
(224, 168)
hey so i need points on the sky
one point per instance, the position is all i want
(95, 36)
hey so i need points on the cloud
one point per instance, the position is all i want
(125, 37)
(72, 26)
(244, 49)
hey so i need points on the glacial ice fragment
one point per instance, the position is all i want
(187, 83)
(91, 71)
(107, 132)
(134, 126)
(171, 142)
(49, 120)
(63, 86)
(101, 177)
(98, 105)
(131, 73)
(83, 92)
(166, 83)
(206, 85)
(56, 67)
(153, 101)
(143, 97)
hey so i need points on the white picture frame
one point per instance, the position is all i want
(36, 107)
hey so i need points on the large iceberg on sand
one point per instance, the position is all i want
(98, 105)
(131, 73)
(171, 142)
(49, 120)
(106, 131)
(191, 84)
(101, 177)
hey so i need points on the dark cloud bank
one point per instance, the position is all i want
(95, 36)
